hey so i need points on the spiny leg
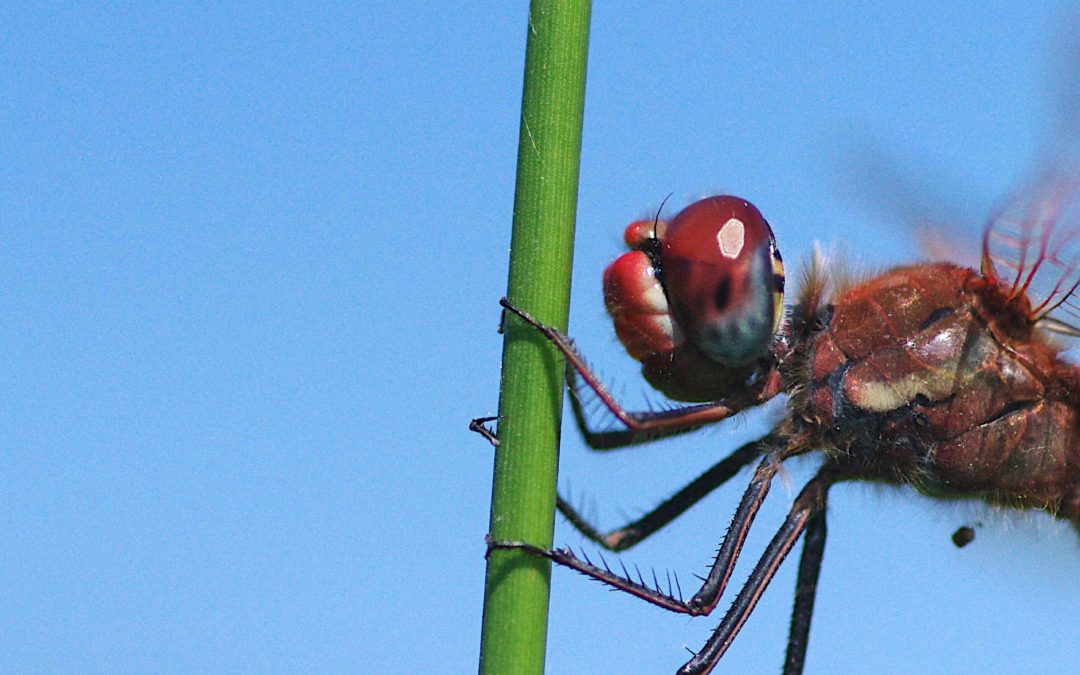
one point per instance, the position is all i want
(671, 508)
(479, 426)
(679, 420)
(705, 599)
(809, 502)
(805, 592)
(597, 440)
(615, 439)
(643, 426)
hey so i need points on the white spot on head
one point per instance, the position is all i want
(732, 238)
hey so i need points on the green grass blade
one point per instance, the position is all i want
(530, 403)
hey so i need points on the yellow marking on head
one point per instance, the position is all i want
(778, 290)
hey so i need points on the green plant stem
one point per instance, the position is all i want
(530, 402)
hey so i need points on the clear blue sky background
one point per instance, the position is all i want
(249, 265)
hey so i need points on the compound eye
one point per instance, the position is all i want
(724, 279)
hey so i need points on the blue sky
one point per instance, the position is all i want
(250, 260)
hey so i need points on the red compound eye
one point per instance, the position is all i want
(712, 277)
(724, 278)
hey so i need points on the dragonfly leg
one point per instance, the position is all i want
(479, 426)
(640, 426)
(671, 508)
(706, 598)
(809, 503)
(806, 591)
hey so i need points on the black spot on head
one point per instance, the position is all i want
(652, 248)
(778, 282)
(935, 316)
(722, 294)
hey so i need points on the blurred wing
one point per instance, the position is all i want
(918, 203)
(1031, 247)
(940, 242)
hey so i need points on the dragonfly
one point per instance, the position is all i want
(939, 376)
